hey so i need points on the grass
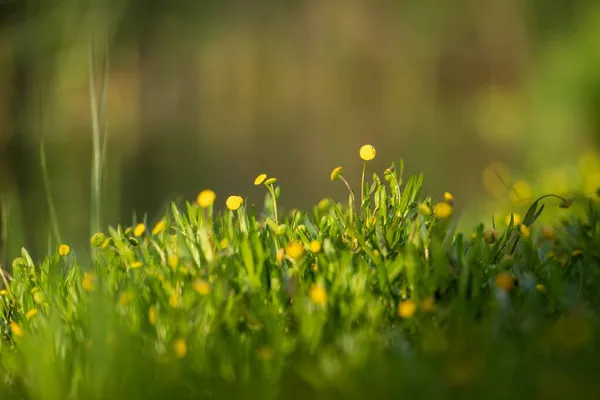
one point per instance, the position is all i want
(383, 298)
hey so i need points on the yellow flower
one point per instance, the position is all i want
(180, 348)
(520, 191)
(270, 181)
(424, 210)
(16, 329)
(174, 300)
(152, 315)
(516, 219)
(407, 309)
(224, 243)
(428, 304)
(371, 221)
(136, 264)
(540, 287)
(206, 198)
(64, 250)
(139, 230)
(260, 179)
(335, 173)
(448, 198)
(525, 231)
(295, 250)
(443, 210)
(126, 297)
(159, 227)
(88, 281)
(234, 202)
(504, 281)
(173, 260)
(318, 295)
(31, 313)
(315, 246)
(367, 152)
(3, 292)
(202, 287)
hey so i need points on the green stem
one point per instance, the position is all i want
(362, 185)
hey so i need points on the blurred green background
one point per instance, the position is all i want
(208, 94)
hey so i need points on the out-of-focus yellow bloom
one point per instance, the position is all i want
(88, 281)
(16, 329)
(407, 309)
(516, 219)
(152, 315)
(520, 191)
(540, 287)
(173, 260)
(279, 256)
(234, 202)
(442, 210)
(315, 246)
(64, 250)
(202, 287)
(318, 295)
(577, 253)
(335, 173)
(136, 264)
(126, 297)
(295, 250)
(206, 198)
(524, 230)
(159, 227)
(449, 198)
(224, 243)
(367, 152)
(180, 348)
(548, 232)
(139, 230)
(504, 281)
(31, 313)
(174, 300)
(260, 179)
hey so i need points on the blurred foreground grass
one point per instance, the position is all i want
(377, 297)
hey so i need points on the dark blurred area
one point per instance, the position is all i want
(208, 94)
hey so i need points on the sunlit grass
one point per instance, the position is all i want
(219, 299)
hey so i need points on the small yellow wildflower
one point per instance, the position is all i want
(407, 309)
(270, 181)
(443, 210)
(206, 198)
(371, 221)
(136, 264)
(173, 260)
(315, 267)
(449, 198)
(577, 253)
(428, 304)
(335, 173)
(260, 179)
(367, 152)
(504, 281)
(152, 315)
(139, 230)
(16, 329)
(295, 250)
(524, 230)
(540, 287)
(31, 313)
(3, 292)
(159, 227)
(126, 297)
(234, 202)
(318, 295)
(516, 219)
(39, 297)
(64, 250)
(202, 287)
(315, 246)
(424, 209)
(180, 348)
(224, 243)
(88, 281)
